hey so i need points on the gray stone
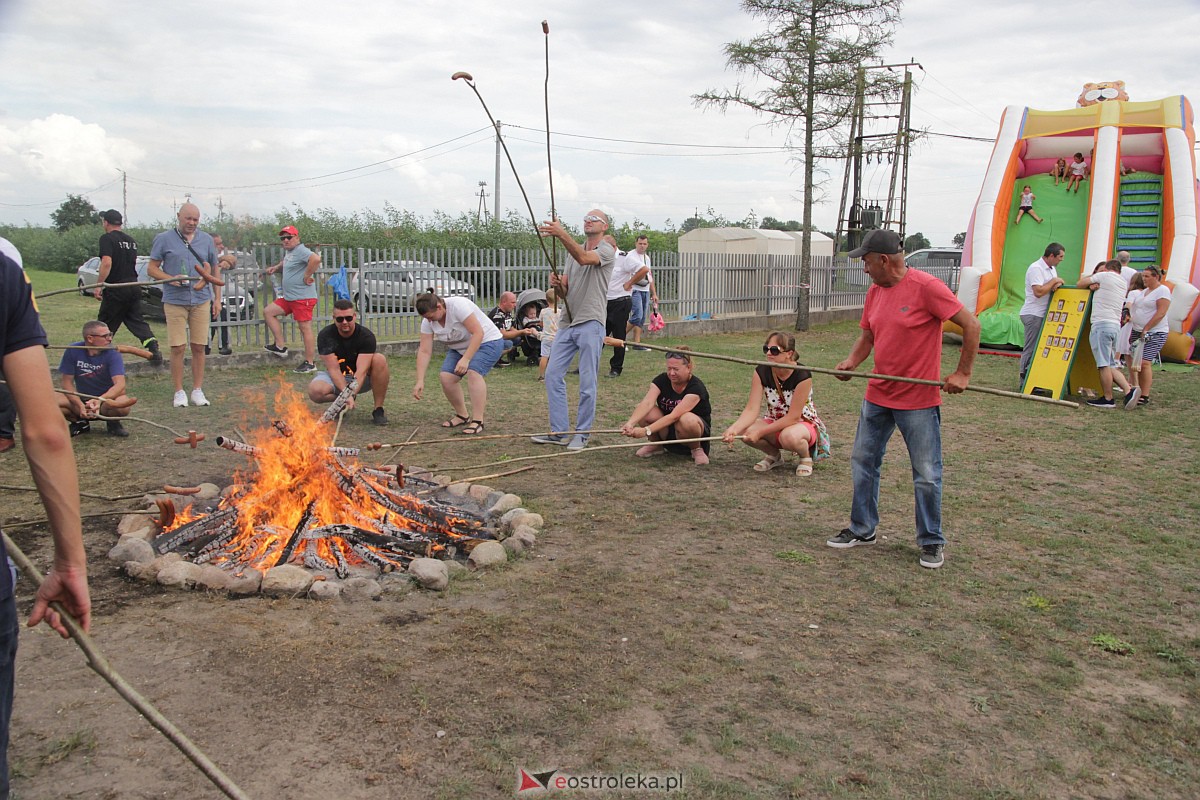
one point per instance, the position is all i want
(479, 493)
(418, 472)
(131, 523)
(507, 502)
(459, 489)
(508, 516)
(149, 572)
(442, 480)
(528, 519)
(208, 491)
(248, 582)
(132, 547)
(138, 570)
(287, 580)
(430, 573)
(213, 578)
(361, 589)
(513, 546)
(182, 574)
(488, 554)
(230, 489)
(325, 590)
(526, 534)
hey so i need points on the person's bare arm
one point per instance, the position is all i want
(310, 270)
(52, 463)
(858, 353)
(957, 381)
(102, 275)
(587, 258)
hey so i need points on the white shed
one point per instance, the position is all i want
(751, 241)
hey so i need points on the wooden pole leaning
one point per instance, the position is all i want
(849, 374)
(100, 665)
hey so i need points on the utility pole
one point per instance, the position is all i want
(124, 196)
(481, 208)
(220, 208)
(496, 184)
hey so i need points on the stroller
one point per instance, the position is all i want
(530, 346)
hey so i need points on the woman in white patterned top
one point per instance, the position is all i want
(791, 421)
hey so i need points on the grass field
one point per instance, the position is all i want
(674, 618)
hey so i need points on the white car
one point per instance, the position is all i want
(392, 285)
(238, 301)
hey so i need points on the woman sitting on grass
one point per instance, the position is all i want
(791, 421)
(675, 407)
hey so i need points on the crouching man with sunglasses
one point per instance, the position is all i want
(347, 350)
(90, 367)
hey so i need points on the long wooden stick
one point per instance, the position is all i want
(25, 523)
(460, 438)
(113, 499)
(638, 443)
(126, 349)
(848, 374)
(106, 285)
(100, 665)
(476, 478)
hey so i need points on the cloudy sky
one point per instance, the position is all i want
(262, 107)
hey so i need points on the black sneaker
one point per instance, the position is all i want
(226, 351)
(115, 428)
(1143, 401)
(208, 349)
(931, 556)
(80, 426)
(378, 417)
(1100, 402)
(156, 359)
(847, 538)
(500, 363)
(275, 350)
(305, 368)
(532, 361)
(612, 373)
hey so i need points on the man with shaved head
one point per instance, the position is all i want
(502, 317)
(190, 303)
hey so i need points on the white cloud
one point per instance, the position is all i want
(65, 153)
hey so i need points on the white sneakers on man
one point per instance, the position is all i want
(198, 398)
(181, 399)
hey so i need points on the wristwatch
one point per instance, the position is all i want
(647, 430)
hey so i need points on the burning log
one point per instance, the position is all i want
(339, 403)
(237, 447)
(222, 535)
(284, 429)
(301, 526)
(188, 533)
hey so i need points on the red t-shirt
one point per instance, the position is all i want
(906, 321)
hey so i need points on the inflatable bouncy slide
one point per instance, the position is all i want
(1141, 196)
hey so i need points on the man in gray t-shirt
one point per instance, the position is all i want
(299, 266)
(584, 286)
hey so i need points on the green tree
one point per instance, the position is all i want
(807, 61)
(959, 240)
(915, 242)
(74, 211)
(770, 223)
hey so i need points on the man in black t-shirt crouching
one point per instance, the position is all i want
(347, 350)
(118, 264)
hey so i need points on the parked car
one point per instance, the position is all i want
(238, 300)
(943, 263)
(392, 285)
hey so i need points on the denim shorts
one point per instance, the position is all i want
(485, 357)
(1103, 340)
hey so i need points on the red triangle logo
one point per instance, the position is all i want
(528, 782)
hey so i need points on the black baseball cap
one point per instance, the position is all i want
(112, 217)
(879, 241)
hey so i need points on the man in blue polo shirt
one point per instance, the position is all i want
(191, 303)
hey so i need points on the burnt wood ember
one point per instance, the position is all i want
(236, 446)
(301, 526)
(282, 427)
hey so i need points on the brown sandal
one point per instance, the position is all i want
(473, 428)
(451, 423)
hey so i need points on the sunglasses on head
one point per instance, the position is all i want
(678, 355)
(772, 350)
(344, 319)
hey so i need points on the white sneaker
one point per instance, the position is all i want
(198, 398)
(181, 399)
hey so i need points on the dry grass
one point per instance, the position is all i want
(682, 619)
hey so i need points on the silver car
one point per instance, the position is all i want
(392, 285)
(238, 300)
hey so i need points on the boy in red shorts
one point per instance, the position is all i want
(299, 266)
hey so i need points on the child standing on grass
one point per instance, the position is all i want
(1027, 197)
(1059, 173)
(1078, 172)
(549, 322)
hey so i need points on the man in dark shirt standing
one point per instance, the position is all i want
(347, 350)
(118, 264)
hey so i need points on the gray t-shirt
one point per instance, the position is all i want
(295, 263)
(170, 248)
(587, 288)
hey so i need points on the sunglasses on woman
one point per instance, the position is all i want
(772, 350)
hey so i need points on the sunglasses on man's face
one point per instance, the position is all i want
(593, 218)
(344, 319)
(772, 350)
(286, 238)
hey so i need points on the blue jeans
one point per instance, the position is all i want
(641, 303)
(922, 431)
(586, 339)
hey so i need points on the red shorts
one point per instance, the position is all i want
(301, 310)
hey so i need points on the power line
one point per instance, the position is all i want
(58, 202)
(637, 141)
(764, 151)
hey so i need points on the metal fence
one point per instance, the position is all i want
(383, 283)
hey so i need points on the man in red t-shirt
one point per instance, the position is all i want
(902, 323)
